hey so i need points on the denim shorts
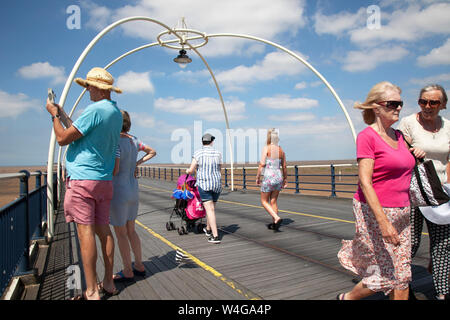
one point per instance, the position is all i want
(208, 195)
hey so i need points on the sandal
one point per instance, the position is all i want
(139, 273)
(105, 292)
(120, 277)
(340, 296)
(79, 297)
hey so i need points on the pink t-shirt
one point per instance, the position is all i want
(392, 169)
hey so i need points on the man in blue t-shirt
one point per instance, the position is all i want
(92, 141)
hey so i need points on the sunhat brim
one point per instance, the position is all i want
(438, 214)
(100, 85)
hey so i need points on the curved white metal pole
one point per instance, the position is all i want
(212, 75)
(225, 113)
(51, 150)
(301, 60)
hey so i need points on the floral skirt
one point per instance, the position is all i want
(382, 266)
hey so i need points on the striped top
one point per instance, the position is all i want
(209, 161)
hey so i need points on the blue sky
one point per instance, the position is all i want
(262, 86)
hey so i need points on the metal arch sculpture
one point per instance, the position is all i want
(183, 41)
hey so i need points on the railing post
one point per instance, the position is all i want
(171, 174)
(159, 173)
(165, 175)
(24, 265)
(41, 211)
(333, 181)
(244, 179)
(226, 178)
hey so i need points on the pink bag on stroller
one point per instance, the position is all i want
(194, 208)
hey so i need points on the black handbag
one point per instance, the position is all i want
(425, 188)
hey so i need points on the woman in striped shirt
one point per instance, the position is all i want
(208, 162)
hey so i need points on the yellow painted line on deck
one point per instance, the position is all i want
(201, 264)
(261, 207)
(285, 211)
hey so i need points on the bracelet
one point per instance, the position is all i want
(53, 117)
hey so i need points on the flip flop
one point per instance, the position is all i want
(105, 292)
(139, 273)
(120, 277)
(340, 296)
(79, 297)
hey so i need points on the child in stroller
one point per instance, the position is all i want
(188, 206)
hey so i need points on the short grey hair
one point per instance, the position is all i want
(432, 87)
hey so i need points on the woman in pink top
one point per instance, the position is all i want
(380, 252)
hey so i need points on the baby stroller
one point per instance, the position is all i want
(188, 207)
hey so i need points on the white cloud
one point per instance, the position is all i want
(293, 117)
(410, 25)
(142, 120)
(286, 102)
(133, 82)
(338, 23)
(437, 56)
(274, 64)
(367, 60)
(12, 105)
(39, 70)
(205, 108)
(321, 127)
(301, 85)
(234, 16)
(440, 78)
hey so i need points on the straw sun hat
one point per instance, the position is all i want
(100, 78)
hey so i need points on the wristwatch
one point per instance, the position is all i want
(53, 117)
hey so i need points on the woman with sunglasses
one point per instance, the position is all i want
(380, 252)
(431, 132)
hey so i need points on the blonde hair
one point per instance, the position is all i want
(376, 94)
(126, 124)
(272, 136)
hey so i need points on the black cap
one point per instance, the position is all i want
(208, 138)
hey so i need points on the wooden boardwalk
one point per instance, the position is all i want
(251, 262)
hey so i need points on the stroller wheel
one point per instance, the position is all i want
(179, 231)
(200, 228)
(172, 226)
(183, 230)
(168, 227)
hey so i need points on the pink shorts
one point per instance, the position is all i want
(87, 202)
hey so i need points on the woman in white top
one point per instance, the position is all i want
(430, 132)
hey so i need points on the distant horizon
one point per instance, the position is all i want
(185, 164)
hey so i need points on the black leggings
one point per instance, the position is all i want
(439, 248)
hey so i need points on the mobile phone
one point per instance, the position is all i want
(51, 95)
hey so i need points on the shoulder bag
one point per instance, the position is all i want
(425, 188)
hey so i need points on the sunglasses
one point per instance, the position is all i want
(390, 104)
(433, 103)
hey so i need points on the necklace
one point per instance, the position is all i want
(434, 129)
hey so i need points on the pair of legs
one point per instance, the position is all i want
(360, 291)
(126, 238)
(211, 224)
(269, 202)
(86, 234)
(439, 265)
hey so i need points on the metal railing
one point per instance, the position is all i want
(21, 222)
(245, 177)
